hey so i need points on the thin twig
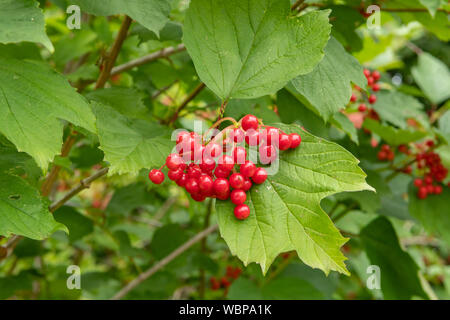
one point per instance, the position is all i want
(297, 4)
(186, 101)
(158, 266)
(111, 58)
(84, 184)
(163, 53)
(157, 93)
(165, 208)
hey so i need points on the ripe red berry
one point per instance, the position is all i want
(418, 182)
(207, 164)
(194, 172)
(390, 155)
(223, 196)
(221, 186)
(284, 142)
(372, 99)
(376, 87)
(353, 98)
(376, 75)
(174, 175)
(182, 181)
(156, 176)
(249, 122)
(205, 184)
(238, 135)
(382, 155)
(437, 189)
(225, 282)
(247, 184)
(215, 284)
(247, 169)
(252, 137)
(260, 176)
(269, 135)
(370, 81)
(362, 107)
(174, 161)
(267, 154)
(242, 211)
(192, 186)
(430, 143)
(366, 73)
(213, 150)
(428, 180)
(238, 196)
(226, 163)
(422, 193)
(295, 140)
(221, 173)
(237, 181)
(198, 197)
(239, 155)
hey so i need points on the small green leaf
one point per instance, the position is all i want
(248, 49)
(433, 77)
(328, 87)
(23, 211)
(22, 20)
(33, 101)
(78, 225)
(431, 5)
(399, 273)
(285, 209)
(130, 144)
(152, 14)
(391, 135)
(432, 212)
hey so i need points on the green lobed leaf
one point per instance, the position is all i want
(130, 144)
(23, 211)
(248, 49)
(433, 77)
(33, 101)
(152, 14)
(22, 20)
(391, 135)
(328, 87)
(399, 273)
(285, 211)
(432, 212)
(431, 5)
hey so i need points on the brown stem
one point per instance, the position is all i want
(163, 53)
(111, 58)
(186, 101)
(162, 263)
(297, 4)
(222, 109)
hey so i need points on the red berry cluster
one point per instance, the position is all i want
(224, 282)
(372, 81)
(206, 170)
(386, 153)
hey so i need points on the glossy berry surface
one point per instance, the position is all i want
(238, 196)
(242, 211)
(156, 176)
(250, 122)
(260, 176)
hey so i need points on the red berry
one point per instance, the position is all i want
(247, 169)
(430, 143)
(438, 189)
(269, 135)
(238, 135)
(386, 148)
(213, 150)
(239, 155)
(174, 161)
(252, 137)
(362, 107)
(183, 179)
(390, 155)
(225, 282)
(249, 122)
(194, 172)
(376, 87)
(353, 98)
(372, 99)
(376, 75)
(247, 184)
(382, 155)
(205, 183)
(207, 164)
(422, 193)
(238, 196)
(226, 163)
(428, 180)
(223, 196)
(418, 183)
(366, 73)
(215, 284)
(267, 154)
(260, 176)
(192, 186)
(221, 186)
(284, 142)
(242, 211)
(174, 175)
(407, 170)
(198, 197)
(370, 81)
(237, 181)
(221, 173)
(156, 176)
(295, 140)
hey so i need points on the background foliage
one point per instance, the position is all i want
(85, 113)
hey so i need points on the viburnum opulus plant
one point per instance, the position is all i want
(218, 166)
